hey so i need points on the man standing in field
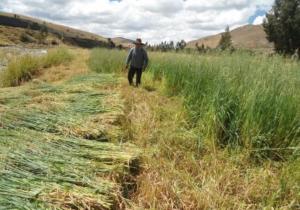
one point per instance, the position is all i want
(138, 60)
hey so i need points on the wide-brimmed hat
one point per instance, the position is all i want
(138, 41)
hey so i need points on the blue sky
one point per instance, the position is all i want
(258, 13)
(153, 20)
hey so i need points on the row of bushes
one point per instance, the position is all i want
(23, 68)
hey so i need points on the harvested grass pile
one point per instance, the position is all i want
(46, 160)
(45, 170)
(75, 108)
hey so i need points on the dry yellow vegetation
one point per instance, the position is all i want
(180, 173)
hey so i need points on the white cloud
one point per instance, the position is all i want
(161, 7)
(153, 20)
(259, 20)
(201, 5)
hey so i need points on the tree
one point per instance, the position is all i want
(61, 36)
(225, 41)
(44, 29)
(200, 49)
(282, 25)
(164, 46)
(43, 33)
(24, 37)
(180, 45)
(120, 47)
(171, 45)
(28, 29)
(111, 44)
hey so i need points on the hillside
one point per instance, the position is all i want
(248, 37)
(13, 25)
(122, 41)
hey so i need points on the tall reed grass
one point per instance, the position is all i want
(107, 61)
(236, 100)
(23, 68)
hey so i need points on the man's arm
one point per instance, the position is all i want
(129, 57)
(146, 59)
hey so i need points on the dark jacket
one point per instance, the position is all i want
(137, 58)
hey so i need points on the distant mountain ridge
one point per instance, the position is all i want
(69, 35)
(246, 37)
(13, 25)
(123, 41)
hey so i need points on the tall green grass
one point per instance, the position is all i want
(23, 68)
(107, 61)
(235, 100)
(56, 57)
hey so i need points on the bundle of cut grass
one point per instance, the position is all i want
(46, 162)
(38, 166)
(76, 108)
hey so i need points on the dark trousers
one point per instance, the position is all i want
(132, 72)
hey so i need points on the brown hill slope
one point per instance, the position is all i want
(247, 37)
(123, 41)
(68, 35)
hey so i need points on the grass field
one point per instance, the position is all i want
(235, 100)
(219, 131)
(216, 131)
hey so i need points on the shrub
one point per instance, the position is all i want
(54, 42)
(19, 70)
(24, 37)
(56, 57)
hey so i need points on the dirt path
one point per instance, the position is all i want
(157, 124)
